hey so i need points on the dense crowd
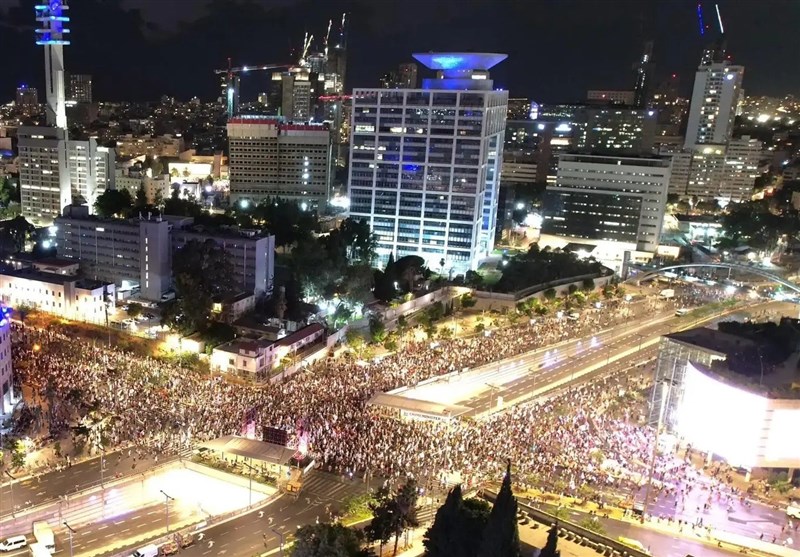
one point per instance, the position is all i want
(144, 401)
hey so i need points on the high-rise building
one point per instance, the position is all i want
(608, 199)
(425, 163)
(43, 173)
(671, 108)
(27, 97)
(407, 75)
(717, 87)
(643, 71)
(56, 172)
(522, 109)
(725, 172)
(79, 88)
(614, 129)
(269, 157)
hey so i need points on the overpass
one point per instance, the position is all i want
(730, 266)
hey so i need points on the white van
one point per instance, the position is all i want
(146, 551)
(13, 543)
(793, 510)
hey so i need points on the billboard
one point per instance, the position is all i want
(745, 428)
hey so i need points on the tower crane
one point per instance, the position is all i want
(232, 82)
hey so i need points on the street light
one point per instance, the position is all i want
(167, 499)
(11, 488)
(71, 531)
(280, 535)
(250, 486)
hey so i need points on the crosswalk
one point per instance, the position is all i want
(327, 488)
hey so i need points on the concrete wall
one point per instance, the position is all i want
(497, 300)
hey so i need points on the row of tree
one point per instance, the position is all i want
(467, 528)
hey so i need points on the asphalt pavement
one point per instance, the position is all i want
(42, 488)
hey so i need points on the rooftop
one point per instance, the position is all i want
(713, 340)
(250, 448)
(53, 278)
(459, 60)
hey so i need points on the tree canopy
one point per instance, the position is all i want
(202, 271)
(328, 540)
(393, 514)
(501, 535)
(113, 203)
(541, 266)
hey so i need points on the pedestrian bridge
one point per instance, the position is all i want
(650, 273)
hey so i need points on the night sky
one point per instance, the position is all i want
(141, 49)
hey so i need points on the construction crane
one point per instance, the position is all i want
(232, 82)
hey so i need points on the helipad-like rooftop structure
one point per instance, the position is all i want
(460, 60)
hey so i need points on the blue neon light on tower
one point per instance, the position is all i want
(50, 34)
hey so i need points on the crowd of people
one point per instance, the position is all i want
(125, 399)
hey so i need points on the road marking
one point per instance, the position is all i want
(126, 530)
(103, 527)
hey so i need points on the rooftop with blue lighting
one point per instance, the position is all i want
(459, 60)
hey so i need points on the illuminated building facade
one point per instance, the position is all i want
(66, 296)
(751, 420)
(79, 88)
(271, 158)
(7, 398)
(27, 97)
(425, 163)
(608, 198)
(594, 96)
(614, 129)
(717, 88)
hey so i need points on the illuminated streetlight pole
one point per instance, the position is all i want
(71, 531)
(11, 488)
(167, 499)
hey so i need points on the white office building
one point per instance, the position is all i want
(609, 199)
(425, 163)
(56, 171)
(717, 88)
(66, 296)
(271, 158)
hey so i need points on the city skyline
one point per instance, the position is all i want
(139, 59)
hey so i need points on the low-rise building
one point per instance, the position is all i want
(155, 146)
(233, 308)
(259, 356)
(66, 296)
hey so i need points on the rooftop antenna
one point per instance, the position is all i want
(700, 18)
(719, 19)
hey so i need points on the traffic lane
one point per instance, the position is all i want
(576, 355)
(46, 487)
(548, 369)
(255, 532)
(91, 538)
